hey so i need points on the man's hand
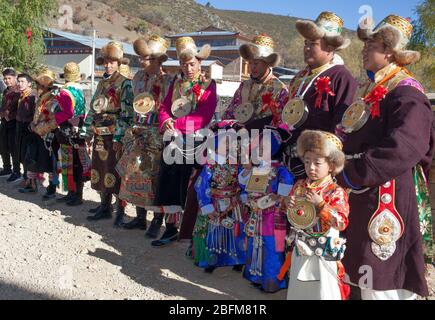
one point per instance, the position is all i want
(169, 125)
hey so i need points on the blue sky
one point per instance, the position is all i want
(347, 9)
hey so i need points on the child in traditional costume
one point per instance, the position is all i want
(317, 211)
(218, 235)
(264, 186)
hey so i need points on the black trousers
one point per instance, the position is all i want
(8, 150)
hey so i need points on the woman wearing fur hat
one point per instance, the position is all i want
(188, 107)
(318, 211)
(110, 114)
(321, 92)
(259, 101)
(263, 188)
(75, 161)
(388, 136)
(40, 156)
(138, 167)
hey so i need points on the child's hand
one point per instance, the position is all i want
(289, 202)
(314, 197)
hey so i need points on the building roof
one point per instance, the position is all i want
(222, 48)
(205, 63)
(87, 41)
(205, 33)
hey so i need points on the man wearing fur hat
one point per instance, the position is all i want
(75, 161)
(320, 93)
(188, 107)
(140, 162)
(110, 114)
(259, 101)
(389, 139)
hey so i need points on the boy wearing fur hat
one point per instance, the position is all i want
(188, 107)
(140, 162)
(75, 161)
(318, 211)
(259, 101)
(110, 114)
(25, 113)
(263, 188)
(320, 93)
(8, 127)
(388, 134)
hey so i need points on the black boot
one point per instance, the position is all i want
(105, 209)
(170, 235)
(66, 198)
(120, 213)
(94, 210)
(77, 198)
(50, 193)
(140, 222)
(156, 223)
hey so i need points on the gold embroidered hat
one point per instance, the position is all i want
(395, 32)
(113, 51)
(324, 144)
(71, 72)
(187, 49)
(261, 48)
(327, 26)
(46, 78)
(154, 47)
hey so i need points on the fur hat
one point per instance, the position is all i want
(112, 51)
(395, 32)
(325, 144)
(46, 78)
(328, 26)
(154, 47)
(261, 48)
(187, 49)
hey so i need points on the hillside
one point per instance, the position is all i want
(128, 19)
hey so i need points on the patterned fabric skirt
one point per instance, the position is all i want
(139, 167)
(104, 177)
(217, 246)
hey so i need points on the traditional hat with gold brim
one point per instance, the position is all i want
(154, 47)
(46, 78)
(322, 143)
(187, 49)
(113, 51)
(327, 26)
(144, 103)
(395, 32)
(261, 48)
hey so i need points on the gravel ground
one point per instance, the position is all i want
(53, 252)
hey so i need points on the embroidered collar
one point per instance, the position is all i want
(381, 74)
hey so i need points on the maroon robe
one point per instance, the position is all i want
(392, 145)
(331, 110)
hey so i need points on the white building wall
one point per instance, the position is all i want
(59, 60)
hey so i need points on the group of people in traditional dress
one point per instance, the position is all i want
(333, 207)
